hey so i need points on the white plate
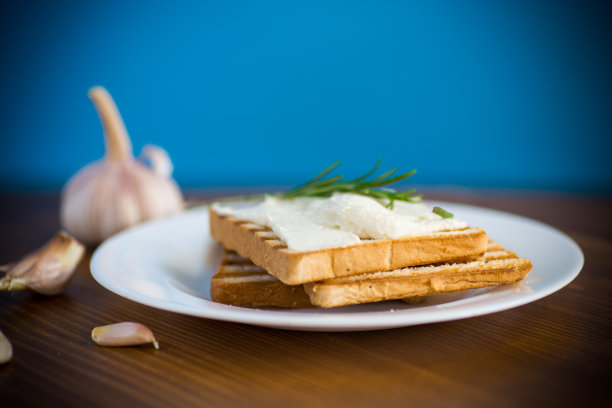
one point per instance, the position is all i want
(168, 263)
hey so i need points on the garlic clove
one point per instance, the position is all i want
(117, 192)
(123, 334)
(21, 267)
(6, 349)
(157, 159)
(49, 269)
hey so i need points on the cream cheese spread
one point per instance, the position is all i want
(308, 224)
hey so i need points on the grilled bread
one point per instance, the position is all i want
(241, 283)
(499, 267)
(264, 249)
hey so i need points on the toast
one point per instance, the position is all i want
(241, 283)
(498, 267)
(264, 249)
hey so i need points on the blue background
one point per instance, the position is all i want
(473, 93)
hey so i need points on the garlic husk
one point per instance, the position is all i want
(49, 269)
(6, 349)
(123, 334)
(118, 191)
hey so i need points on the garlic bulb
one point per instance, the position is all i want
(118, 191)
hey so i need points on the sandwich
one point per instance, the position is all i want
(330, 243)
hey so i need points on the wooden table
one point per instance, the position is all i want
(553, 352)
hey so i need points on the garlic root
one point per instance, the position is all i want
(123, 334)
(118, 191)
(48, 270)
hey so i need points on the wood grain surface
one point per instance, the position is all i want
(553, 352)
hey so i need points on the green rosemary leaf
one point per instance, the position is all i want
(392, 180)
(325, 172)
(442, 213)
(383, 176)
(312, 181)
(369, 173)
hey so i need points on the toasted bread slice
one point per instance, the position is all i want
(497, 268)
(240, 283)
(291, 267)
(494, 251)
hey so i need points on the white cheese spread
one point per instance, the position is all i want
(308, 224)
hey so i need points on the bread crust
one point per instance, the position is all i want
(293, 268)
(259, 294)
(417, 281)
(240, 283)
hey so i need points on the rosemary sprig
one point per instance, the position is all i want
(320, 186)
